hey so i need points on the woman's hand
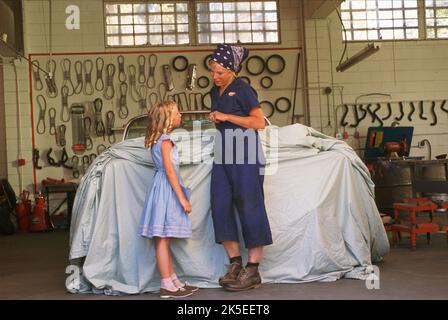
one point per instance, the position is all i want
(186, 205)
(212, 117)
(217, 117)
(255, 119)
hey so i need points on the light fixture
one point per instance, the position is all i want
(358, 57)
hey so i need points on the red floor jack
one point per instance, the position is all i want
(40, 220)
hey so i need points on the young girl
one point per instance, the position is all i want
(166, 209)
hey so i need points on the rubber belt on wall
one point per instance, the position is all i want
(280, 58)
(260, 60)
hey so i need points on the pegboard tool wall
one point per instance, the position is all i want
(83, 88)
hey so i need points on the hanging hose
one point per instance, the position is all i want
(295, 87)
(412, 111)
(442, 106)
(400, 105)
(343, 122)
(19, 130)
(433, 113)
(389, 112)
(420, 105)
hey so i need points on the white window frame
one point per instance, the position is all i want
(153, 20)
(232, 25)
(192, 24)
(373, 28)
(439, 23)
(423, 22)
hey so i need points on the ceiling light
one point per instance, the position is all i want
(358, 57)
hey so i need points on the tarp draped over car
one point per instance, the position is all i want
(319, 198)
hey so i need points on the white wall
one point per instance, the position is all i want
(88, 43)
(17, 111)
(3, 162)
(407, 70)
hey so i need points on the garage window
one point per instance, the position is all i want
(237, 21)
(436, 19)
(149, 23)
(146, 24)
(380, 19)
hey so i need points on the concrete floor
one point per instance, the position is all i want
(32, 266)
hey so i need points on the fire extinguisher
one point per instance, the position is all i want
(40, 220)
(23, 212)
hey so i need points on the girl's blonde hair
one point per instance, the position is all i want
(160, 120)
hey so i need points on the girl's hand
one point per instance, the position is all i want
(186, 205)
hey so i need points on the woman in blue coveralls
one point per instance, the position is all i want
(237, 177)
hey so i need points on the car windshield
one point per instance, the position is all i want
(136, 127)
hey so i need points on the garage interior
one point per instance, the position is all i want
(370, 73)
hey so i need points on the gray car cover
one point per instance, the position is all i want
(319, 198)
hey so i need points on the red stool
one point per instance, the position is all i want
(445, 227)
(412, 206)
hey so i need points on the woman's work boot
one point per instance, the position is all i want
(248, 278)
(231, 275)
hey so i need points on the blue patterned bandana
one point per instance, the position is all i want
(230, 57)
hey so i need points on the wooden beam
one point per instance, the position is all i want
(320, 9)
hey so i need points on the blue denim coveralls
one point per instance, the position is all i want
(236, 178)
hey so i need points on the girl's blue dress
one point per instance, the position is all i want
(163, 215)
